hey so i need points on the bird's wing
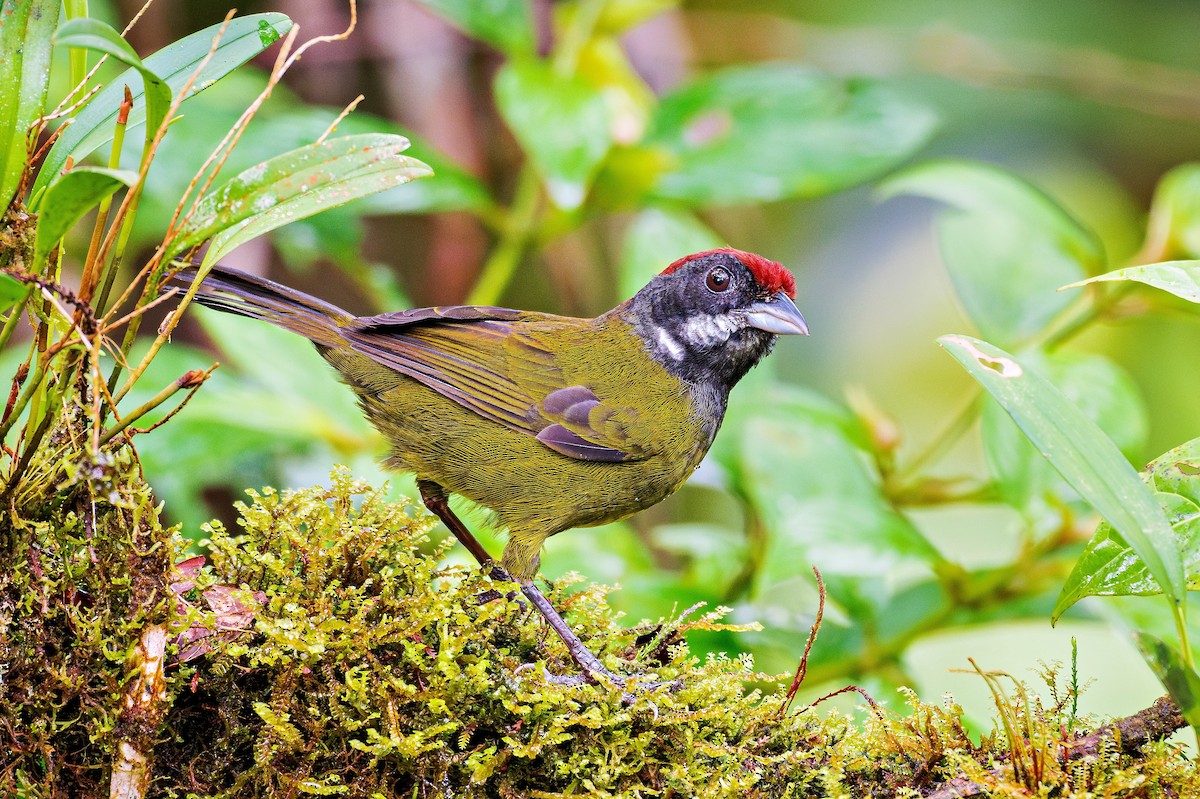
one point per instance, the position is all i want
(477, 357)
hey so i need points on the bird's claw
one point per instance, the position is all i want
(490, 595)
(603, 676)
(593, 671)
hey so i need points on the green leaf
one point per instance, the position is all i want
(657, 238)
(1173, 230)
(450, 188)
(1086, 458)
(296, 185)
(1180, 679)
(244, 38)
(1178, 470)
(95, 35)
(1181, 278)
(1103, 391)
(70, 197)
(1110, 567)
(506, 24)
(561, 122)
(26, 27)
(11, 291)
(763, 133)
(627, 178)
(1007, 246)
(801, 465)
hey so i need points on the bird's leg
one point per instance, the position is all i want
(434, 497)
(584, 658)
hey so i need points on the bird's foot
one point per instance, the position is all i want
(633, 683)
(636, 682)
(498, 574)
(593, 671)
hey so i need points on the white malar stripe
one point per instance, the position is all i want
(668, 343)
(709, 329)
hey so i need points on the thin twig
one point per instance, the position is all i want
(802, 669)
(92, 272)
(138, 311)
(191, 380)
(136, 17)
(847, 689)
(345, 113)
(68, 107)
(283, 63)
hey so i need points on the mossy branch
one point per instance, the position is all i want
(326, 647)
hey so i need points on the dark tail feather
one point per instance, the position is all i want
(236, 292)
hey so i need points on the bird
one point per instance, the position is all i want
(551, 422)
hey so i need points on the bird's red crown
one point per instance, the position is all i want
(773, 276)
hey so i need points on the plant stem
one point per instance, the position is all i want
(502, 264)
(942, 441)
(135, 323)
(756, 533)
(31, 446)
(92, 272)
(1077, 318)
(583, 23)
(14, 317)
(191, 380)
(31, 384)
(78, 55)
(1179, 612)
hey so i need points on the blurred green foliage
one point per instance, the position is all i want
(926, 508)
(925, 518)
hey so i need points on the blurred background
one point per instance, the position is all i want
(554, 195)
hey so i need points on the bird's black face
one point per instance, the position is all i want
(710, 318)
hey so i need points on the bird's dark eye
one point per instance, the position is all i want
(718, 280)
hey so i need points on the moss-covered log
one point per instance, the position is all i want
(328, 652)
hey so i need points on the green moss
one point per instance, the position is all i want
(80, 578)
(370, 669)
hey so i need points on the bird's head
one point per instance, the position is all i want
(711, 316)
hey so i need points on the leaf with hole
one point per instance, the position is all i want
(177, 63)
(1086, 458)
(296, 185)
(1097, 386)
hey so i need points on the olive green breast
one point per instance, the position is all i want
(527, 484)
